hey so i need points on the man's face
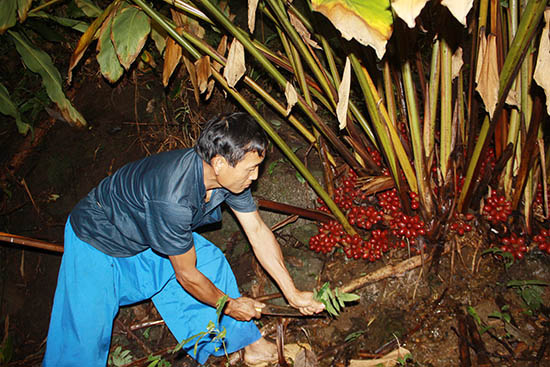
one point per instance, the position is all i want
(237, 179)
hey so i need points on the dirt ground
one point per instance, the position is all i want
(423, 310)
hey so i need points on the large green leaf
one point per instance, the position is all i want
(368, 21)
(7, 107)
(106, 56)
(23, 7)
(8, 12)
(40, 62)
(130, 29)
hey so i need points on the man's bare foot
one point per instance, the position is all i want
(260, 351)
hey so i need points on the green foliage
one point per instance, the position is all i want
(212, 329)
(157, 361)
(481, 325)
(334, 301)
(6, 349)
(119, 357)
(506, 256)
(354, 335)
(530, 292)
(403, 361)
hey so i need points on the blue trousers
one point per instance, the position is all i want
(91, 287)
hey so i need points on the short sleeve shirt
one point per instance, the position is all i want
(156, 203)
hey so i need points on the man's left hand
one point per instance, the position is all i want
(304, 302)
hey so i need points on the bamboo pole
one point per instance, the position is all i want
(30, 242)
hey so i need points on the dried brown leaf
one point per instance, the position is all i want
(343, 96)
(302, 31)
(459, 8)
(542, 76)
(291, 97)
(235, 66)
(306, 358)
(487, 76)
(193, 76)
(203, 72)
(252, 6)
(172, 57)
(457, 62)
(389, 360)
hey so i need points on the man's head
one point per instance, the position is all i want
(231, 137)
(234, 146)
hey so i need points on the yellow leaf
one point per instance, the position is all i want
(459, 8)
(343, 95)
(368, 21)
(291, 97)
(252, 6)
(542, 76)
(408, 10)
(235, 66)
(487, 75)
(203, 72)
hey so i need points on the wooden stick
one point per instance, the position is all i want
(30, 242)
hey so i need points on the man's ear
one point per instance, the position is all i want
(218, 163)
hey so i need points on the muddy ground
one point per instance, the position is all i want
(422, 310)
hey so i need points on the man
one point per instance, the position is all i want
(132, 238)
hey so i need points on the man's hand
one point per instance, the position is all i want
(304, 302)
(243, 308)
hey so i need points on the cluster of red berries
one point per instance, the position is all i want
(371, 249)
(364, 217)
(542, 240)
(408, 227)
(490, 161)
(389, 201)
(497, 208)
(460, 225)
(514, 245)
(330, 234)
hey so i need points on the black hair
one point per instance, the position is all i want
(231, 136)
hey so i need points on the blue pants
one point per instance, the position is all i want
(92, 285)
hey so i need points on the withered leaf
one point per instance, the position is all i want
(235, 66)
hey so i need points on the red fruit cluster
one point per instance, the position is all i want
(389, 201)
(415, 204)
(490, 161)
(371, 249)
(497, 208)
(542, 240)
(364, 217)
(376, 157)
(460, 225)
(514, 245)
(330, 234)
(405, 226)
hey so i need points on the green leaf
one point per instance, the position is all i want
(473, 313)
(300, 178)
(349, 297)
(158, 34)
(522, 283)
(7, 107)
(8, 16)
(75, 24)
(89, 8)
(220, 304)
(106, 57)
(130, 29)
(40, 62)
(23, 7)
(368, 21)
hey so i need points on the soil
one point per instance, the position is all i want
(420, 310)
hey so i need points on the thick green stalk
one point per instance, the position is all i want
(416, 136)
(388, 93)
(446, 108)
(529, 23)
(433, 96)
(386, 132)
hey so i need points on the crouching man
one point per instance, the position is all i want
(132, 238)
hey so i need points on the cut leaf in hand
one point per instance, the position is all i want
(334, 302)
(408, 10)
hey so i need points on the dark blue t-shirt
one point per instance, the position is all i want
(156, 203)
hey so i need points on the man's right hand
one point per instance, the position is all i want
(243, 308)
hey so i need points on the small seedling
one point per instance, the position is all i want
(157, 361)
(334, 301)
(530, 292)
(506, 256)
(119, 357)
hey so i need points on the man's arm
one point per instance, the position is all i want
(268, 252)
(200, 287)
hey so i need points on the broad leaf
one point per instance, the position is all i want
(89, 8)
(159, 36)
(543, 61)
(8, 16)
(343, 95)
(459, 8)
(408, 10)
(88, 37)
(106, 56)
(7, 107)
(130, 29)
(368, 21)
(40, 62)
(235, 66)
(23, 7)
